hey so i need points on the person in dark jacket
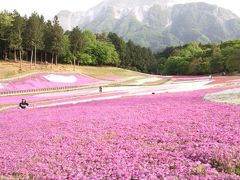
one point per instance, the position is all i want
(23, 104)
(100, 89)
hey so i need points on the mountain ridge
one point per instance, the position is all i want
(157, 23)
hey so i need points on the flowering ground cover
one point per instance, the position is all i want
(77, 99)
(40, 81)
(46, 96)
(127, 90)
(2, 85)
(231, 96)
(224, 79)
(189, 78)
(35, 99)
(170, 136)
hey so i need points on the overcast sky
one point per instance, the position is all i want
(49, 8)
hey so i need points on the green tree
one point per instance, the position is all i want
(233, 62)
(6, 20)
(86, 59)
(130, 54)
(216, 62)
(189, 50)
(48, 40)
(16, 35)
(88, 38)
(35, 32)
(77, 42)
(58, 39)
(199, 66)
(120, 46)
(177, 66)
(104, 53)
(67, 54)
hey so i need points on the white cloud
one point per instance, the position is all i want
(48, 8)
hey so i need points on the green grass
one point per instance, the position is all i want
(101, 72)
(10, 69)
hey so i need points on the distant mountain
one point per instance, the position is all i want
(204, 23)
(157, 23)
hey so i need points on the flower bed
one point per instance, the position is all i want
(42, 81)
(56, 97)
(224, 79)
(189, 78)
(231, 96)
(151, 137)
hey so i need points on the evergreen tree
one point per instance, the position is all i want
(233, 62)
(58, 35)
(76, 41)
(216, 62)
(120, 46)
(35, 32)
(16, 35)
(6, 20)
(48, 40)
(67, 54)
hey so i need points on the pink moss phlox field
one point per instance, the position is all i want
(39, 82)
(189, 78)
(60, 98)
(172, 136)
(224, 79)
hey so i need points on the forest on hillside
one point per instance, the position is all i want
(38, 41)
(198, 59)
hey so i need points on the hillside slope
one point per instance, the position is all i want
(10, 70)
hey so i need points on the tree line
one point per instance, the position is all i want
(38, 41)
(198, 59)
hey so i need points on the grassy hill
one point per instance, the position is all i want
(10, 69)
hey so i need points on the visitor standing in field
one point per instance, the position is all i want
(100, 89)
(23, 104)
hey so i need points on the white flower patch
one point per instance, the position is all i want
(2, 85)
(61, 78)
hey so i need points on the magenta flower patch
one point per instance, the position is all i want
(42, 81)
(172, 136)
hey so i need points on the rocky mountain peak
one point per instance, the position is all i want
(157, 23)
(135, 3)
